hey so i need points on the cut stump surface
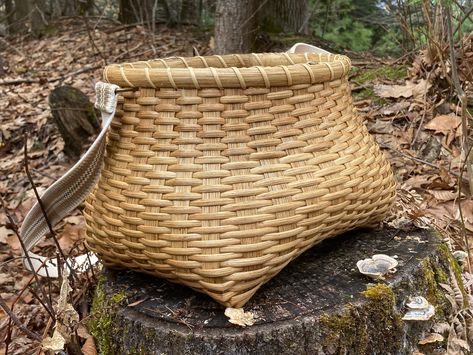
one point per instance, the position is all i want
(318, 304)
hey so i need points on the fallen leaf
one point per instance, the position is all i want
(75, 219)
(431, 338)
(395, 108)
(443, 195)
(4, 233)
(55, 343)
(89, 347)
(380, 127)
(444, 124)
(410, 89)
(71, 235)
(83, 332)
(14, 243)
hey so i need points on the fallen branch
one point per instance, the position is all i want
(17, 322)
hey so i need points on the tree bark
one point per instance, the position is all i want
(21, 16)
(191, 12)
(288, 16)
(75, 118)
(235, 28)
(27, 16)
(132, 11)
(9, 14)
(37, 16)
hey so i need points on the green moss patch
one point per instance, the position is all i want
(101, 324)
(373, 327)
(395, 72)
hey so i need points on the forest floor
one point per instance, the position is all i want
(407, 105)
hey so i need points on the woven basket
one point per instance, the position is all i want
(220, 170)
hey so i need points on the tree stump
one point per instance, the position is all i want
(318, 304)
(75, 118)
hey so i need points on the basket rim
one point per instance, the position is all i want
(230, 71)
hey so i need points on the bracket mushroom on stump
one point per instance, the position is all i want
(318, 304)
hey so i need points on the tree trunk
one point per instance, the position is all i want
(27, 16)
(174, 11)
(21, 18)
(235, 28)
(288, 16)
(37, 16)
(75, 118)
(9, 14)
(319, 304)
(191, 12)
(132, 11)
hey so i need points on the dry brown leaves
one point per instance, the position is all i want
(416, 118)
(67, 57)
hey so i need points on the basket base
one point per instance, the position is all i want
(316, 305)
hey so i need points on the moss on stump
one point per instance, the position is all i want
(319, 304)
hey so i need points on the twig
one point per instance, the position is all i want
(254, 13)
(418, 160)
(45, 333)
(461, 96)
(43, 210)
(424, 113)
(465, 237)
(91, 39)
(12, 47)
(17, 322)
(464, 18)
(8, 336)
(34, 295)
(27, 255)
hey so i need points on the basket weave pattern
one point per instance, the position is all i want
(217, 177)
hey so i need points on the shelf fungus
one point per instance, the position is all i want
(419, 309)
(377, 266)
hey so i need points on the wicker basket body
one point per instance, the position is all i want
(221, 170)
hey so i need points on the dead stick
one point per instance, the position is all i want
(25, 252)
(383, 145)
(463, 228)
(17, 322)
(421, 123)
(461, 96)
(45, 334)
(35, 295)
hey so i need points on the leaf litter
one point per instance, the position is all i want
(414, 119)
(31, 69)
